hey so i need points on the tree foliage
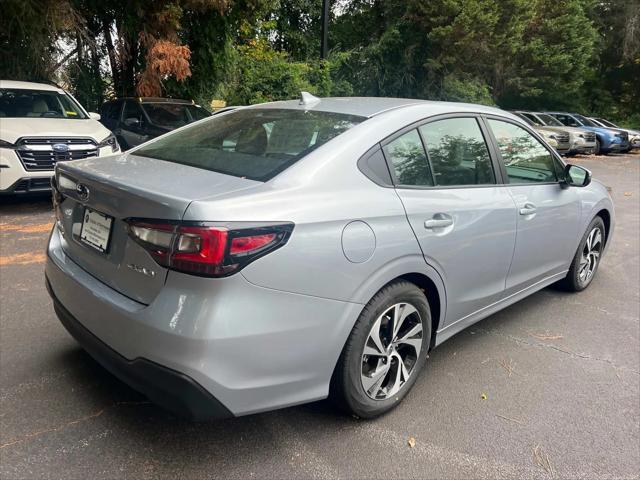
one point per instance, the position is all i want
(540, 54)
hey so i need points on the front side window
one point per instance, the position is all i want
(254, 143)
(457, 152)
(525, 158)
(409, 161)
(20, 103)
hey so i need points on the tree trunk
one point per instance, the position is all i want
(115, 68)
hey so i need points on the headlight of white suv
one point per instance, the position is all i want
(110, 141)
(5, 144)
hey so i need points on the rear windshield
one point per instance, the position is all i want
(21, 103)
(173, 115)
(250, 143)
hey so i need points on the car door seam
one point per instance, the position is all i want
(443, 301)
(515, 240)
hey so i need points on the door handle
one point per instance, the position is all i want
(528, 209)
(438, 221)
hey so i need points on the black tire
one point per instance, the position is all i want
(598, 147)
(347, 389)
(574, 282)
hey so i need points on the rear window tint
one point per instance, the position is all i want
(250, 143)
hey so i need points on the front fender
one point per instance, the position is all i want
(595, 198)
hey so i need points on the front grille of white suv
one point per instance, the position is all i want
(39, 154)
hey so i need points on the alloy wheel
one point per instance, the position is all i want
(590, 255)
(391, 351)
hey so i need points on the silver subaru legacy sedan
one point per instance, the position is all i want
(290, 251)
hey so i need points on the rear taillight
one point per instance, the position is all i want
(207, 250)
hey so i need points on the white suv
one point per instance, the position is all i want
(41, 125)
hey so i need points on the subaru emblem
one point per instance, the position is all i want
(60, 147)
(82, 191)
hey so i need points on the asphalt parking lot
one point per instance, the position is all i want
(547, 388)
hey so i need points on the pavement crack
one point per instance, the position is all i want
(32, 435)
(557, 349)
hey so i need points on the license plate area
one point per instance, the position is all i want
(96, 230)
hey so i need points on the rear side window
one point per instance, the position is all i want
(457, 152)
(250, 143)
(409, 161)
(525, 158)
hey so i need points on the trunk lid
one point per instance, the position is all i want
(124, 187)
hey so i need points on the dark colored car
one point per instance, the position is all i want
(136, 120)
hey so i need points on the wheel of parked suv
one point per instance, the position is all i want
(587, 258)
(597, 151)
(385, 352)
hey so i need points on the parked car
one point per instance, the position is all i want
(136, 120)
(582, 141)
(40, 125)
(557, 137)
(607, 139)
(288, 251)
(634, 135)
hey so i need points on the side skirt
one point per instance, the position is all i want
(459, 325)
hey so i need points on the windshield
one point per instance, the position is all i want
(250, 143)
(19, 103)
(549, 120)
(530, 119)
(585, 121)
(173, 115)
(606, 123)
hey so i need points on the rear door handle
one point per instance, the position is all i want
(528, 209)
(439, 220)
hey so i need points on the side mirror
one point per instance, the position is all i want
(94, 116)
(576, 176)
(132, 122)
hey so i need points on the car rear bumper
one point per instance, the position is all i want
(249, 348)
(172, 390)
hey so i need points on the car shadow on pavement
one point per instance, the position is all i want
(136, 412)
(25, 205)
